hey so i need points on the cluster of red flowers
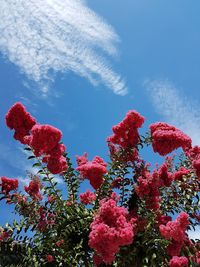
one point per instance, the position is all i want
(8, 184)
(92, 170)
(167, 138)
(175, 232)
(178, 262)
(126, 132)
(148, 185)
(87, 198)
(21, 121)
(33, 189)
(110, 229)
(182, 171)
(43, 139)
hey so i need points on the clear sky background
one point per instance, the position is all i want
(81, 65)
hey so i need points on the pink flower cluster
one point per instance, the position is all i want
(33, 189)
(92, 170)
(167, 138)
(126, 132)
(182, 171)
(148, 185)
(87, 198)
(110, 230)
(43, 139)
(178, 262)
(20, 120)
(8, 184)
(175, 232)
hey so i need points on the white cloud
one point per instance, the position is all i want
(194, 234)
(175, 108)
(43, 37)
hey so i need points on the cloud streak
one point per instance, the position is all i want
(43, 37)
(175, 108)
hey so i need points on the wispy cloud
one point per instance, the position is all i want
(175, 107)
(44, 37)
(194, 234)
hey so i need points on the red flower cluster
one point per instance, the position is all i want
(20, 120)
(175, 231)
(167, 138)
(126, 132)
(8, 184)
(87, 198)
(182, 171)
(178, 262)
(148, 185)
(33, 189)
(43, 139)
(92, 170)
(110, 229)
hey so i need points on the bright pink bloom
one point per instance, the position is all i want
(20, 120)
(93, 171)
(8, 184)
(110, 230)
(126, 132)
(175, 231)
(57, 165)
(44, 138)
(178, 175)
(87, 198)
(167, 138)
(81, 160)
(45, 142)
(33, 189)
(178, 262)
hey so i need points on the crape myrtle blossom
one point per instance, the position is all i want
(126, 137)
(8, 184)
(33, 189)
(166, 138)
(87, 198)
(44, 140)
(178, 262)
(21, 121)
(175, 231)
(125, 134)
(148, 185)
(92, 170)
(110, 230)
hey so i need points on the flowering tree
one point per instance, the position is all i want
(136, 215)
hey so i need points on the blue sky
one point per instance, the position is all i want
(81, 65)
